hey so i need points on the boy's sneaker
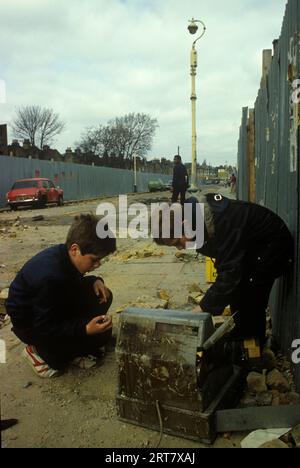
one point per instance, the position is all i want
(39, 366)
(85, 362)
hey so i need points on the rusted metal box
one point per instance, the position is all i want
(162, 383)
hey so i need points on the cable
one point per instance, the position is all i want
(160, 422)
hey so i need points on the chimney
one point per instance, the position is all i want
(3, 135)
(26, 144)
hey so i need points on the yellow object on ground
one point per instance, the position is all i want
(211, 272)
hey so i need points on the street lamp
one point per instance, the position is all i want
(193, 28)
(135, 175)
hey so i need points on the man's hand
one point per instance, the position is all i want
(101, 291)
(99, 325)
(197, 309)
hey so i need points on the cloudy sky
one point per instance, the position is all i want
(93, 60)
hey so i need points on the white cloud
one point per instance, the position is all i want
(92, 60)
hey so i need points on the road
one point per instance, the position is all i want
(78, 409)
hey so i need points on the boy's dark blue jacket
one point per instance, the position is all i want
(44, 299)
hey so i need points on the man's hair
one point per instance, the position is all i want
(165, 215)
(177, 157)
(83, 232)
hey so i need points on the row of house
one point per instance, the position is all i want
(156, 166)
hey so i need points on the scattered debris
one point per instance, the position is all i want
(256, 383)
(277, 381)
(260, 437)
(275, 443)
(268, 359)
(27, 385)
(163, 294)
(145, 302)
(4, 319)
(38, 218)
(4, 293)
(296, 435)
(145, 252)
(195, 298)
(185, 257)
(195, 288)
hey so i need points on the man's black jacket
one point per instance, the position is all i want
(180, 176)
(45, 296)
(250, 243)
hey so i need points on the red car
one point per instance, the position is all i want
(36, 192)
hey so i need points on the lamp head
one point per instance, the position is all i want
(193, 28)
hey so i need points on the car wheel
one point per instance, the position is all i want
(60, 201)
(13, 207)
(41, 203)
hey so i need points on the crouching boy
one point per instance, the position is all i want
(59, 313)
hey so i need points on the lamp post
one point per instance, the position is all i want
(193, 28)
(135, 175)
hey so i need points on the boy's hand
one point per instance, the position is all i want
(101, 291)
(99, 325)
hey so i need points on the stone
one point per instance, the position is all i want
(268, 359)
(163, 294)
(276, 443)
(195, 288)
(27, 385)
(256, 383)
(294, 398)
(276, 401)
(4, 293)
(286, 438)
(264, 399)
(296, 435)
(277, 381)
(195, 298)
(184, 257)
(248, 401)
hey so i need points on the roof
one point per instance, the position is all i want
(33, 178)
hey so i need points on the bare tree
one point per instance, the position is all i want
(50, 126)
(133, 134)
(122, 137)
(39, 125)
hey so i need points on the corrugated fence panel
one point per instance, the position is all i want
(243, 172)
(277, 160)
(79, 182)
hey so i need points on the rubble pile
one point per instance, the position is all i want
(273, 385)
(147, 251)
(10, 228)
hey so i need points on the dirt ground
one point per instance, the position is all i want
(78, 409)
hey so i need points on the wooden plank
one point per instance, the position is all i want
(266, 417)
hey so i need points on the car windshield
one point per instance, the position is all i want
(22, 184)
